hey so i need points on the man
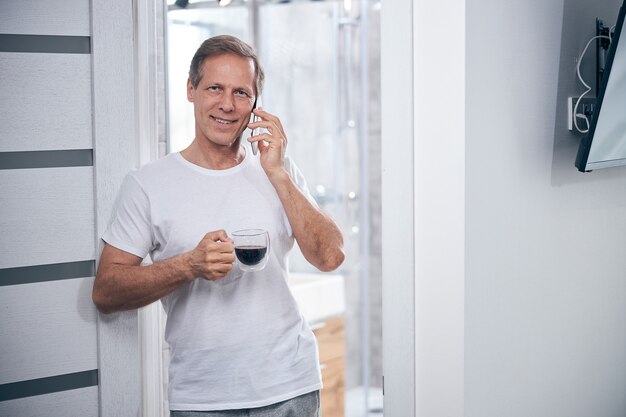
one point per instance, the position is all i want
(239, 345)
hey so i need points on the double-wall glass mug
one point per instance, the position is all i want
(252, 247)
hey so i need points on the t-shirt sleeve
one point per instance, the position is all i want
(130, 229)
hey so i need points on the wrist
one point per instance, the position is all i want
(186, 266)
(279, 177)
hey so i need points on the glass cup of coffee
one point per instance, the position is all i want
(252, 248)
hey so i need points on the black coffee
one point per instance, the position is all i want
(250, 255)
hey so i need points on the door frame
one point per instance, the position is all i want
(398, 249)
(115, 153)
(423, 157)
(150, 317)
(405, 335)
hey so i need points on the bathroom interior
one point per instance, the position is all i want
(322, 65)
(505, 283)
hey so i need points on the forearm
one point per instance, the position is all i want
(318, 237)
(123, 287)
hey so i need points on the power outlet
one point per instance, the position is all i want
(585, 108)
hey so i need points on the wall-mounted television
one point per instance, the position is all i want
(604, 145)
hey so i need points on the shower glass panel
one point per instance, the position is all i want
(316, 60)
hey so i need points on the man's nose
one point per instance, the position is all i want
(227, 103)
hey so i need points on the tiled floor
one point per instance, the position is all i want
(355, 403)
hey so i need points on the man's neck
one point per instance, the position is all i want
(215, 157)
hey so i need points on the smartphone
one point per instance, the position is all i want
(253, 118)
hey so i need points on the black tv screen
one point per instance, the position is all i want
(605, 144)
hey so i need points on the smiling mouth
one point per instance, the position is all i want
(223, 121)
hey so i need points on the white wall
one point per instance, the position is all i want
(545, 270)
(542, 272)
(439, 200)
(423, 208)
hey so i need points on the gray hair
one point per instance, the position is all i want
(225, 44)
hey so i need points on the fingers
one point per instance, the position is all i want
(260, 112)
(270, 139)
(218, 242)
(273, 135)
(217, 236)
(220, 248)
(270, 122)
(272, 143)
(214, 255)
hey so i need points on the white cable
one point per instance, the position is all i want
(582, 115)
(611, 29)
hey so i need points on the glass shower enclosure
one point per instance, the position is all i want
(321, 61)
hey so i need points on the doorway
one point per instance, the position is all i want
(322, 63)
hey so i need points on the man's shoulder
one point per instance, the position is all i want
(161, 166)
(156, 172)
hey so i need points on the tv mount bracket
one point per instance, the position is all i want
(587, 105)
(602, 48)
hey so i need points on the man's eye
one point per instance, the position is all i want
(243, 93)
(213, 88)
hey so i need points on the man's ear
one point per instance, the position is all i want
(190, 90)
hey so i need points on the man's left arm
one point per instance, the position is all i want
(318, 236)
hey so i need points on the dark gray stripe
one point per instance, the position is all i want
(52, 44)
(48, 385)
(43, 273)
(46, 159)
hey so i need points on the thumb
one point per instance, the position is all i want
(217, 235)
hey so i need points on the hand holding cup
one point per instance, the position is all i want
(213, 257)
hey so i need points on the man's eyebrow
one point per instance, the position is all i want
(249, 90)
(246, 89)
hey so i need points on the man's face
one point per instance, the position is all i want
(223, 99)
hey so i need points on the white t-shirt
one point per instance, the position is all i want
(239, 342)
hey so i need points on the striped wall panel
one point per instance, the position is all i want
(78, 402)
(67, 17)
(47, 216)
(46, 101)
(48, 331)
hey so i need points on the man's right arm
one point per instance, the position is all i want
(122, 283)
